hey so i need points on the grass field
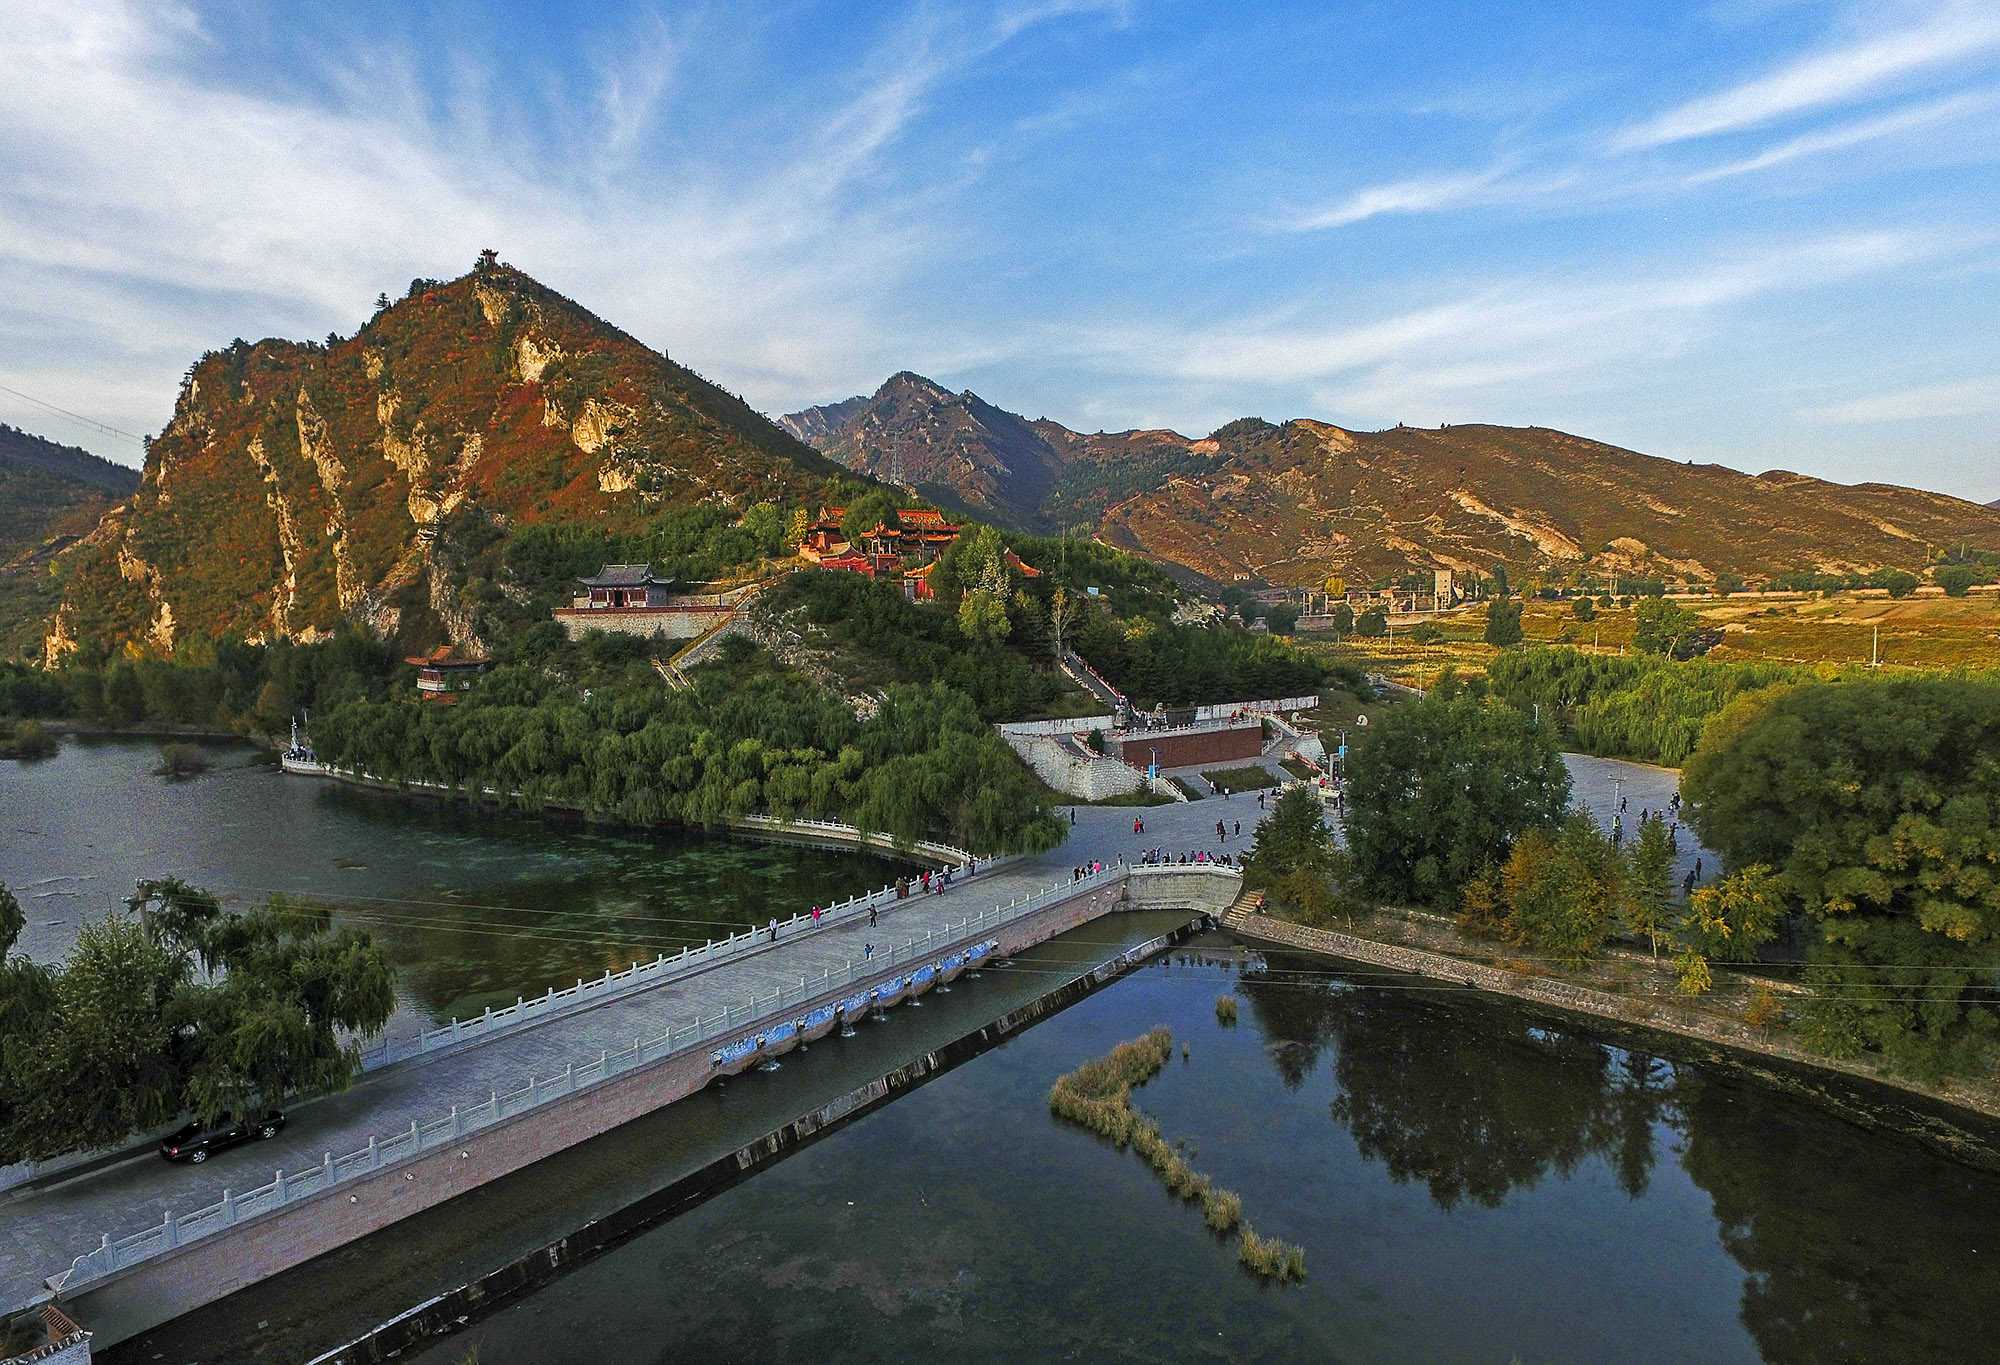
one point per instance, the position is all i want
(1915, 633)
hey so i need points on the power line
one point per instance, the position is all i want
(74, 416)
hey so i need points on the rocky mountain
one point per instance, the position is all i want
(955, 449)
(1303, 500)
(1295, 502)
(50, 497)
(300, 485)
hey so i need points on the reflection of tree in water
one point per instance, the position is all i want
(1855, 1246)
(1470, 1102)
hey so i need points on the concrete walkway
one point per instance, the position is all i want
(43, 1230)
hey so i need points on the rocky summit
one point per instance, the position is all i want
(301, 485)
(1302, 500)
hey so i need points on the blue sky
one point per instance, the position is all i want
(1760, 233)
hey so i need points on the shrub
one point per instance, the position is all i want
(26, 740)
(1225, 1009)
(181, 760)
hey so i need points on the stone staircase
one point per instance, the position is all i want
(1245, 906)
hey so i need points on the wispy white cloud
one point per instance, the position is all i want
(1854, 135)
(131, 175)
(1836, 76)
(1953, 398)
(1459, 352)
(1423, 194)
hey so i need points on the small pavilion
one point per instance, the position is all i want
(626, 585)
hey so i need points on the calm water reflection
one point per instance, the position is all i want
(475, 908)
(1470, 1184)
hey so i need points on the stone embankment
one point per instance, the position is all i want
(1686, 1021)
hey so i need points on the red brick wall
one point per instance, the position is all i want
(1187, 750)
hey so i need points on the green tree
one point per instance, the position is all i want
(1562, 888)
(1341, 618)
(983, 617)
(104, 1063)
(1295, 857)
(1584, 609)
(1649, 883)
(1728, 921)
(1282, 618)
(1899, 582)
(1957, 579)
(1877, 804)
(876, 507)
(1443, 787)
(1662, 627)
(1503, 623)
(1293, 831)
(1372, 624)
(292, 997)
(767, 524)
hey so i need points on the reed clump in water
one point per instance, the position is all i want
(1098, 1096)
(1225, 1009)
(1271, 1258)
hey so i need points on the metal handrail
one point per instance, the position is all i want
(175, 1230)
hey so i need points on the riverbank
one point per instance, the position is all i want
(1645, 1002)
(923, 853)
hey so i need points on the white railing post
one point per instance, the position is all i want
(374, 1153)
(228, 1207)
(454, 1120)
(173, 1231)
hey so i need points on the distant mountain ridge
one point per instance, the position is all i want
(70, 462)
(51, 496)
(1303, 500)
(300, 486)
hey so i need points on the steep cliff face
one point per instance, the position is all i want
(301, 485)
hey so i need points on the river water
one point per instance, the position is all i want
(1472, 1182)
(475, 908)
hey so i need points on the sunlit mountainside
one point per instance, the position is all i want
(301, 484)
(1297, 501)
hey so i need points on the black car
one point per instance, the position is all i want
(195, 1142)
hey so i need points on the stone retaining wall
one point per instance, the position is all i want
(1686, 1022)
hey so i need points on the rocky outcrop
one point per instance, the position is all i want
(299, 487)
